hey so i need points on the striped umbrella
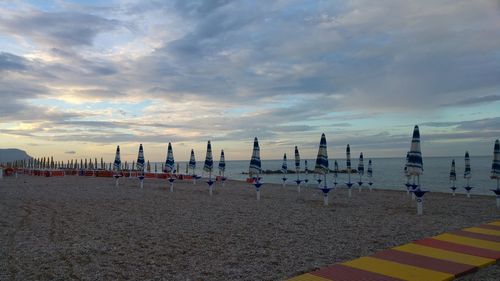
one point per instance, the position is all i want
(222, 166)
(255, 167)
(140, 165)
(222, 163)
(322, 167)
(495, 170)
(255, 164)
(348, 167)
(209, 162)
(169, 162)
(361, 170)
(495, 166)
(369, 173)
(192, 161)
(209, 166)
(170, 166)
(192, 166)
(467, 173)
(415, 164)
(284, 170)
(140, 159)
(415, 168)
(453, 176)
(322, 158)
(297, 168)
(117, 165)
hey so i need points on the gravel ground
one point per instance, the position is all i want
(82, 228)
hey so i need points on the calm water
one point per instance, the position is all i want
(387, 173)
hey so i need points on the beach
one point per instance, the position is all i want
(85, 228)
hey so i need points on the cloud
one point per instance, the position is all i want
(475, 100)
(70, 152)
(62, 29)
(11, 62)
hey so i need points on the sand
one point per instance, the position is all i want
(83, 228)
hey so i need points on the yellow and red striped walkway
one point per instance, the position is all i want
(442, 257)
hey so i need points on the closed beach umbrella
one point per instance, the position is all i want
(170, 166)
(169, 162)
(369, 173)
(255, 163)
(453, 176)
(467, 173)
(140, 165)
(284, 169)
(255, 167)
(335, 172)
(348, 167)
(495, 166)
(192, 161)
(117, 165)
(321, 166)
(415, 168)
(140, 159)
(361, 170)
(415, 164)
(222, 163)
(322, 158)
(297, 168)
(222, 167)
(192, 165)
(495, 170)
(209, 166)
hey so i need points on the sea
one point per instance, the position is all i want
(388, 173)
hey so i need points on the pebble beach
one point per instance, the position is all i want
(85, 228)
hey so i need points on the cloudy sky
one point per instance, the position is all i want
(79, 77)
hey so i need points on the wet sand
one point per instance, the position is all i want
(83, 228)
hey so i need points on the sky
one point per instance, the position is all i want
(78, 78)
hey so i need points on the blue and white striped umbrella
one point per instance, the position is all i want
(284, 166)
(255, 164)
(209, 161)
(192, 161)
(453, 173)
(222, 162)
(495, 166)
(369, 172)
(361, 165)
(415, 165)
(297, 159)
(170, 163)
(322, 158)
(348, 158)
(140, 159)
(118, 163)
(467, 171)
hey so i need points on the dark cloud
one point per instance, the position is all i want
(60, 29)
(11, 62)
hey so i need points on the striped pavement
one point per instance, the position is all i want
(439, 258)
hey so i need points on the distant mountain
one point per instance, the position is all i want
(12, 154)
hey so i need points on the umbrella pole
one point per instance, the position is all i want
(325, 194)
(359, 186)
(413, 194)
(210, 179)
(222, 179)
(454, 187)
